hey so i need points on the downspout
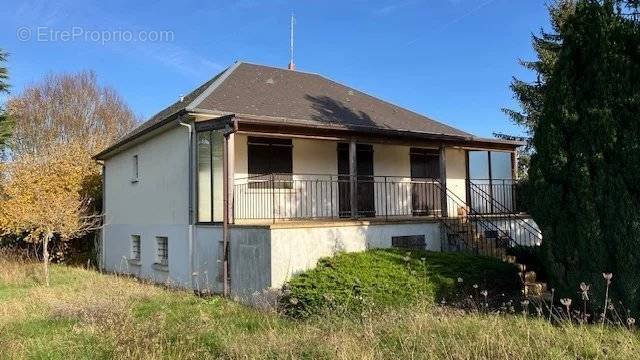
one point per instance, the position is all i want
(190, 231)
(103, 246)
(226, 216)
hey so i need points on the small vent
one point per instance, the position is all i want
(413, 242)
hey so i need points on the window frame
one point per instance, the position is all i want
(136, 255)
(211, 183)
(135, 163)
(162, 252)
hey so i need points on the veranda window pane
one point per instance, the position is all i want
(216, 158)
(204, 177)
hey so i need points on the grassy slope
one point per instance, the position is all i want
(88, 315)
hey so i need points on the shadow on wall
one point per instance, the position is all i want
(336, 246)
(329, 110)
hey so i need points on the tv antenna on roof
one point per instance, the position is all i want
(292, 65)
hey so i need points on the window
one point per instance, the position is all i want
(135, 173)
(210, 177)
(162, 250)
(266, 156)
(135, 247)
(491, 181)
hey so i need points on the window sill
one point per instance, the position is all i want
(160, 267)
(134, 262)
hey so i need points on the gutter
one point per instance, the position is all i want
(102, 154)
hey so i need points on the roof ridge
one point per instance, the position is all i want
(219, 79)
(279, 68)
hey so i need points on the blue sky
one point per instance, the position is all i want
(448, 59)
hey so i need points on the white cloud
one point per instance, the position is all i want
(391, 8)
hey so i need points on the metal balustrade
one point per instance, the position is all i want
(318, 196)
(476, 221)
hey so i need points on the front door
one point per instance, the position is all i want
(425, 194)
(365, 181)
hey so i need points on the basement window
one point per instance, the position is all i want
(162, 250)
(135, 247)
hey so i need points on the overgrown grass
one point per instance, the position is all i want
(86, 315)
(383, 278)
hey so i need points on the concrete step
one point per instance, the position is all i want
(535, 289)
(530, 277)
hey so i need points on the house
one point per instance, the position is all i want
(261, 171)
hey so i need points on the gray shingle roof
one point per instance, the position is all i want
(259, 90)
(267, 91)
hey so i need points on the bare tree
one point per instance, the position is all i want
(64, 108)
(5, 121)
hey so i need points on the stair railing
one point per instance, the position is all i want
(522, 232)
(469, 230)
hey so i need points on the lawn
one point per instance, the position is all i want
(84, 314)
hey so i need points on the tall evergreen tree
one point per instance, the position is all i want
(546, 46)
(530, 94)
(586, 168)
(5, 123)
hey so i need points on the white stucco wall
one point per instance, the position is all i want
(155, 205)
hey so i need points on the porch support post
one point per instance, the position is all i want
(353, 177)
(514, 165)
(443, 181)
(230, 176)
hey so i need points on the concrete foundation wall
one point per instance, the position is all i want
(250, 260)
(263, 258)
(206, 244)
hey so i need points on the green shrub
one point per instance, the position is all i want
(383, 278)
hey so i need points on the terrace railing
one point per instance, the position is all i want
(468, 223)
(501, 195)
(319, 196)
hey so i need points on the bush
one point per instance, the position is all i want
(382, 278)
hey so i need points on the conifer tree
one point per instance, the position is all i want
(586, 166)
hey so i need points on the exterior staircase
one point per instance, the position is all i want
(467, 230)
(530, 286)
